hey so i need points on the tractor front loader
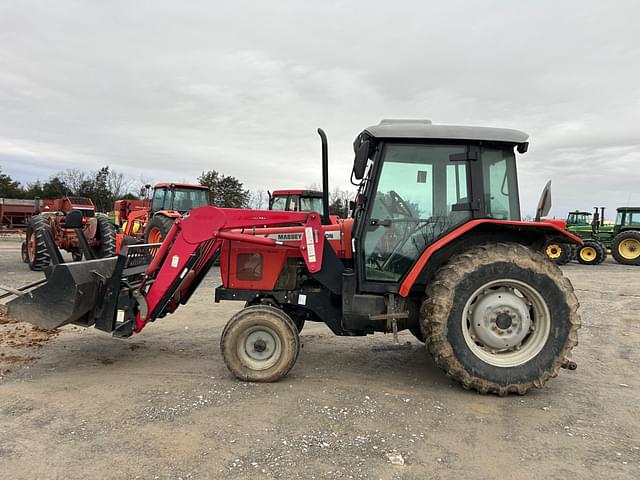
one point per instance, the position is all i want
(436, 246)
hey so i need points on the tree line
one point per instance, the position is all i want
(106, 185)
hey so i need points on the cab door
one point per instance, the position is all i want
(417, 194)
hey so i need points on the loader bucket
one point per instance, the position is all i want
(70, 295)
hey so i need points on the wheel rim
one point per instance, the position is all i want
(259, 347)
(629, 248)
(155, 236)
(588, 254)
(553, 251)
(506, 323)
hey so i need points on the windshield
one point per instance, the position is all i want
(311, 204)
(185, 199)
(180, 199)
(578, 219)
(279, 202)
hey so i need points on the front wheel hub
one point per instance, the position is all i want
(259, 347)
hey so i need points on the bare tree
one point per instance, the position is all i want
(74, 178)
(119, 185)
(258, 200)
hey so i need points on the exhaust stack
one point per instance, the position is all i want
(325, 177)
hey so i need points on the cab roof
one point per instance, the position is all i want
(180, 185)
(302, 193)
(628, 209)
(425, 129)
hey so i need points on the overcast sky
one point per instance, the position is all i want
(169, 89)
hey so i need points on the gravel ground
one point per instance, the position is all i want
(161, 404)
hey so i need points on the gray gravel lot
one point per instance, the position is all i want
(161, 404)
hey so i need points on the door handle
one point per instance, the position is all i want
(375, 222)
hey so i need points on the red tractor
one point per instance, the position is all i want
(97, 229)
(296, 201)
(150, 220)
(436, 247)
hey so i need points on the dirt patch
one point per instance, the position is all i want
(13, 359)
(4, 319)
(17, 342)
(22, 335)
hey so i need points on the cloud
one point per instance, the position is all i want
(168, 89)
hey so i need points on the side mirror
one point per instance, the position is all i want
(523, 147)
(544, 204)
(361, 159)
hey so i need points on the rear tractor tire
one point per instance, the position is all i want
(260, 344)
(499, 319)
(106, 233)
(38, 256)
(558, 253)
(626, 248)
(591, 253)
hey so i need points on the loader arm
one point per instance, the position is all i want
(187, 253)
(147, 281)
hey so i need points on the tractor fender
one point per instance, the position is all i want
(542, 229)
(168, 213)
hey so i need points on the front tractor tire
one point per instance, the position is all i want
(558, 253)
(157, 229)
(260, 344)
(499, 319)
(626, 248)
(591, 253)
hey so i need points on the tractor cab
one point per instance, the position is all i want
(180, 198)
(419, 182)
(296, 201)
(579, 218)
(627, 218)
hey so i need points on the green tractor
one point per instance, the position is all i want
(625, 236)
(592, 229)
(592, 252)
(621, 238)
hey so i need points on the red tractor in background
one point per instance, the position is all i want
(292, 200)
(296, 200)
(97, 229)
(150, 220)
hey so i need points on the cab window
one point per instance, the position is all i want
(500, 183)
